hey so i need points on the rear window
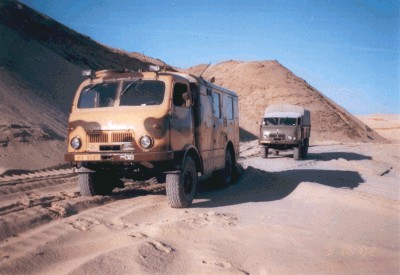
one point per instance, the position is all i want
(142, 93)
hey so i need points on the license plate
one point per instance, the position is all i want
(87, 157)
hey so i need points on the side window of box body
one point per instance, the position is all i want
(216, 100)
(229, 108)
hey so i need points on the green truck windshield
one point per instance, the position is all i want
(287, 121)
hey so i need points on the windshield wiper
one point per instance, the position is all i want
(129, 85)
(90, 88)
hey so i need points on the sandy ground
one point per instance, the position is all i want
(336, 212)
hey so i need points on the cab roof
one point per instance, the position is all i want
(129, 74)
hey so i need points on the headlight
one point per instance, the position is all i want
(76, 143)
(289, 137)
(146, 142)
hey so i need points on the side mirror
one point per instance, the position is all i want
(88, 73)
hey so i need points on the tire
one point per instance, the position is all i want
(264, 152)
(296, 153)
(181, 187)
(226, 174)
(160, 178)
(97, 183)
(305, 148)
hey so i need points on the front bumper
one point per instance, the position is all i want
(279, 142)
(119, 157)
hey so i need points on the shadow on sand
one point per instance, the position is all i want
(323, 156)
(246, 135)
(260, 186)
(337, 155)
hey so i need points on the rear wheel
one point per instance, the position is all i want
(97, 183)
(181, 187)
(227, 172)
(305, 148)
(264, 152)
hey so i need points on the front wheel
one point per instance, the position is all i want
(181, 187)
(264, 152)
(96, 183)
(296, 153)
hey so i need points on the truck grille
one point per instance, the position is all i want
(121, 137)
(109, 137)
(277, 135)
(97, 137)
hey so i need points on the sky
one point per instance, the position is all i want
(348, 50)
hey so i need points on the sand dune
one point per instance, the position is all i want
(263, 83)
(388, 126)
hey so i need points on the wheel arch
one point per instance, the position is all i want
(192, 151)
(229, 146)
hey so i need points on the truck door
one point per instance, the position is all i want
(181, 117)
(229, 119)
(219, 131)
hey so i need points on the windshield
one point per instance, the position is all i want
(134, 93)
(139, 93)
(99, 95)
(287, 121)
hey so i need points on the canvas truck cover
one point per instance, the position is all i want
(287, 110)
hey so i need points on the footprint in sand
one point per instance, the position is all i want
(155, 256)
(161, 247)
(225, 264)
(118, 226)
(218, 263)
(204, 219)
(137, 235)
(84, 224)
(4, 258)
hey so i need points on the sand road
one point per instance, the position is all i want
(336, 212)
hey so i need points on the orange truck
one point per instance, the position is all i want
(138, 125)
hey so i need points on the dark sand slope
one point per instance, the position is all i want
(40, 68)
